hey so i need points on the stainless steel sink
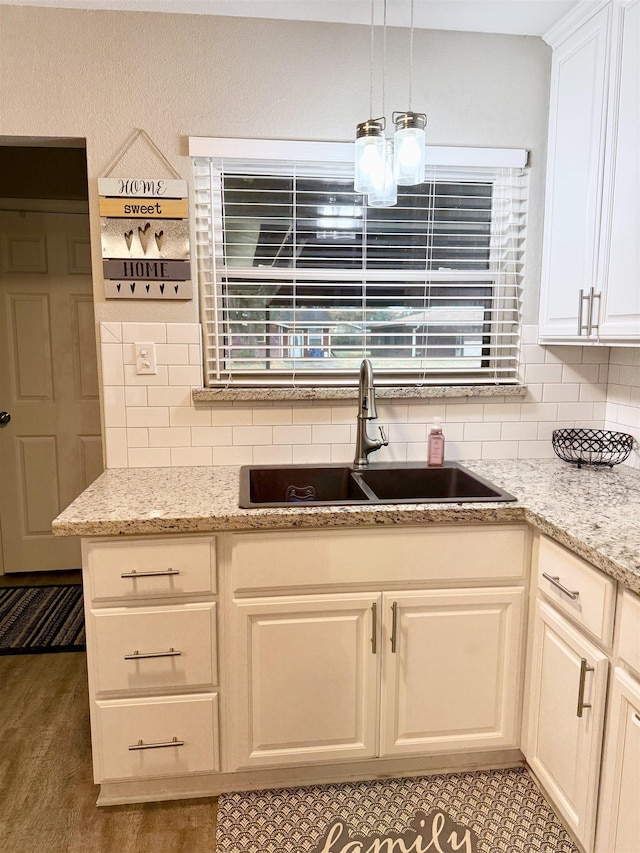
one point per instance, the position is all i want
(340, 485)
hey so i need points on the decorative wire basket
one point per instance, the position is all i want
(592, 446)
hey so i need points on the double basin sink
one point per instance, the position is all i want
(343, 485)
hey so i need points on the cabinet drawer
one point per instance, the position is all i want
(629, 646)
(411, 555)
(149, 568)
(169, 736)
(154, 647)
(592, 599)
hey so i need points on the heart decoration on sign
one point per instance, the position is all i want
(128, 237)
(144, 236)
(159, 235)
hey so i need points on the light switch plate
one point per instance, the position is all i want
(145, 358)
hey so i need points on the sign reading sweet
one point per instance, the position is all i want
(145, 238)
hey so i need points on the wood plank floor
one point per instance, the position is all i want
(47, 796)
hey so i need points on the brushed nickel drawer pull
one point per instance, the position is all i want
(158, 574)
(140, 655)
(584, 669)
(394, 626)
(142, 745)
(374, 628)
(555, 580)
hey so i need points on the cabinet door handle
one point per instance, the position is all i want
(394, 626)
(159, 574)
(555, 580)
(374, 628)
(142, 745)
(582, 327)
(636, 717)
(592, 300)
(140, 655)
(584, 669)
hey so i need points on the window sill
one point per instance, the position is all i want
(257, 394)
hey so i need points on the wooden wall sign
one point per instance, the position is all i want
(145, 238)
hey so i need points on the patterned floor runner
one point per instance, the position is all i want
(498, 811)
(38, 619)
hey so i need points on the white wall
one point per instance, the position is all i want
(101, 75)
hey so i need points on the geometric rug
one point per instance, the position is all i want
(495, 811)
(37, 619)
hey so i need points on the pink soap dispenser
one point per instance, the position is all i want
(435, 450)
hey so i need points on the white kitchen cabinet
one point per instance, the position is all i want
(619, 811)
(565, 718)
(151, 622)
(590, 271)
(619, 274)
(450, 661)
(307, 679)
(329, 675)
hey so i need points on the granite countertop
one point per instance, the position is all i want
(594, 512)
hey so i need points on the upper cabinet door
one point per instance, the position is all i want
(574, 179)
(620, 265)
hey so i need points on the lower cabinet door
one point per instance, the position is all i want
(303, 683)
(565, 719)
(163, 736)
(451, 669)
(619, 807)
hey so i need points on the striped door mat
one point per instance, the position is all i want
(38, 619)
(498, 811)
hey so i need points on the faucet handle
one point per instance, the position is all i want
(383, 437)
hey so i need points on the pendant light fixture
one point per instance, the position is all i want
(380, 164)
(409, 136)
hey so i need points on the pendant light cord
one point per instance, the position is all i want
(384, 52)
(411, 60)
(371, 64)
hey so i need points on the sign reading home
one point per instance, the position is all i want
(144, 227)
(436, 832)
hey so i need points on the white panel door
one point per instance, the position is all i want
(303, 679)
(451, 670)
(51, 448)
(574, 174)
(619, 808)
(620, 313)
(565, 719)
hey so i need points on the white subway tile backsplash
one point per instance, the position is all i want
(147, 416)
(253, 435)
(298, 434)
(152, 420)
(184, 416)
(136, 395)
(232, 455)
(149, 457)
(191, 456)
(221, 436)
(172, 354)
(169, 437)
(314, 453)
(561, 393)
(155, 332)
(185, 374)
(271, 416)
(165, 395)
(281, 455)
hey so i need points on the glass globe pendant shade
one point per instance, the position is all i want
(385, 192)
(369, 155)
(409, 143)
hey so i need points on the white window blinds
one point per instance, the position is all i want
(300, 280)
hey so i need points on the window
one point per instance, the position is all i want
(300, 279)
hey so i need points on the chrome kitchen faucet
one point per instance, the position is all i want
(367, 412)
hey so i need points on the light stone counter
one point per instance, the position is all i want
(594, 512)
